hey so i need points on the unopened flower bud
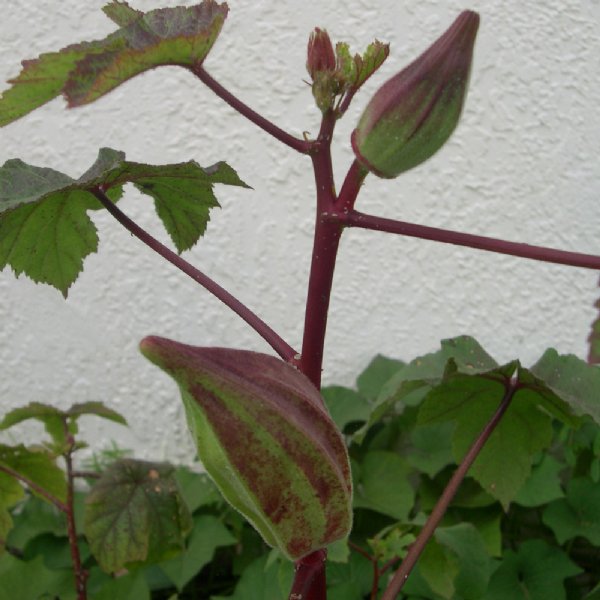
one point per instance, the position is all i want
(321, 56)
(414, 113)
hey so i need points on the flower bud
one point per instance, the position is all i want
(321, 56)
(414, 113)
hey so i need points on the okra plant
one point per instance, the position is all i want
(261, 426)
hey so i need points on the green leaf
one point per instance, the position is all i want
(594, 338)
(345, 405)
(11, 492)
(535, 572)
(572, 380)
(34, 518)
(197, 489)
(576, 515)
(377, 372)
(99, 409)
(410, 384)
(208, 535)
(45, 231)
(370, 61)
(135, 514)
(30, 580)
(431, 448)
(523, 431)
(132, 586)
(52, 418)
(383, 485)
(84, 72)
(37, 466)
(6, 524)
(544, 484)
(351, 580)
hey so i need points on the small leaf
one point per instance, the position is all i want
(376, 374)
(345, 405)
(535, 572)
(576, 515)
(37, 466)
(208, 535)
(99, 409)
(45, 231)
(84, 72)
(369, 62)
(52, 418)
(544, 484)
(135, 514)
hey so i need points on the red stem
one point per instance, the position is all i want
(401, 575)
(309, 577)
(573, 259)
(302, 146)
(80, 573)
(278, 344)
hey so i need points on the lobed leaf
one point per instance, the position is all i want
(99, 409)
(52, 418)
(135, 514)
(83, 72)
(45, 231)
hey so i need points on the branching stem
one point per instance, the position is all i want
(574, 259)
(401, 575)
(35, 488)
(281, 347)
(297, 144)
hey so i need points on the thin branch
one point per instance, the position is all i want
(35, 488)
(87, 474)
(281, 347)
(562, 257)
(401, 575)
(297, 144)
(351, 186)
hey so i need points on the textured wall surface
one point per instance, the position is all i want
(522, 165)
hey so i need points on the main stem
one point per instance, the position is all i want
(401, 575)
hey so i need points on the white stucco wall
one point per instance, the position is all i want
(523, 165)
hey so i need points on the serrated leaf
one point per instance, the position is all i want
(135, 514)
(45, 231)
(52, 418)
(98, 409)
(208, 535)
(535, 572)
(121, 13)
(576, 515)
(84, 72)
(571, 379)
(372, 58)
(37, 466)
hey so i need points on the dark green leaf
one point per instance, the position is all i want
(45, 231)
(11, 491)
(30, 580)
(351, 580)
(383, 485)
(197, 489)
(135, 514)
(377, 372)
(6, 524)
(578, 514)
(37, 466)
(84, 72)
(572, 380)
(544, 484)
(535, 572)
(132, 586)
(431, 447)
(34, 518)
(594, 338)
(208, 534)
(345, 405)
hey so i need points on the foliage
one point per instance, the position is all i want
(373, 473)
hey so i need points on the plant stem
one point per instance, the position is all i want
(364, 221)
(281, 347)
(401, 575)
(302, 146)
(309, 577)
(351, 186)
(80, 573)
(35, 487)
